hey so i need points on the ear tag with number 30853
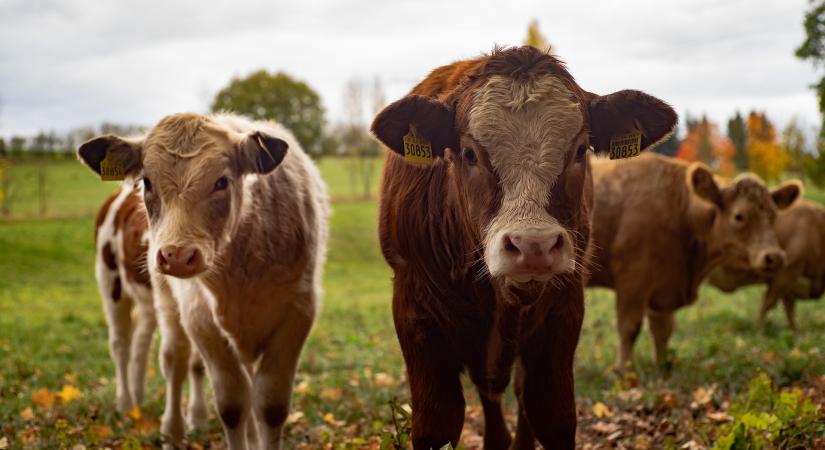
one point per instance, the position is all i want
(417, 149)
(626, 145)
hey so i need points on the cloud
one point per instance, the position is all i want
(75, 63)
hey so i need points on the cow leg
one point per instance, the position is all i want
(118, 309)
(525, 439)
(661, 327)
(768, 302)
(276, 374)
(174, 353)
(630, 311)
(435, 387)
(141, 346)
(496, 435)
(547, 397)
(197, 416)
(789, 304)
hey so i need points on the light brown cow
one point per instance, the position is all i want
(122, 240)
(238, 225)
(660, 225)
(485, 220)
(801, 233)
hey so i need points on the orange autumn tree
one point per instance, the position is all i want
(705, 143)
(765, 155)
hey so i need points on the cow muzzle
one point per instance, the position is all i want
(180, 262)
(534, 254)
(769, 261)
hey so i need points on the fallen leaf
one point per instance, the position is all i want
(604, 427)
(796, 353)
(43, 398)
(329, 418)
(302, 387)
(702, 396)
(384, 380)
(332, 393)
(719, 416)
(70, 377)
(601, 410)
(134, 413)
(4, 443)
(27, 414)
(69, 393)
(103, 431)
(294, 417)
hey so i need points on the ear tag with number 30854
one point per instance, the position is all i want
(110, 170)
(626, 145)
(417, 149)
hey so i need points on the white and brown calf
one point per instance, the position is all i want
(238, 225)
(122, 240)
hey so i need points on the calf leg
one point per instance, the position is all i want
(661, 327)
(118, 309)
(768, 302)
(525, 439)
(231, 382)
(629, 315)
(789, 304)
(141, 346)
(197, 416)
(276, 374)
(496, 435)
(174, 354)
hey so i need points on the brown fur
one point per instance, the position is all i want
(801, 233)
(659, 227)
(449, 313)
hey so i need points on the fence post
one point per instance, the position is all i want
(41, 187)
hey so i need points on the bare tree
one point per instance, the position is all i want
(356, 142)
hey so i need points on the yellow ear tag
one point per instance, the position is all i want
(626, 145)
(110, 170)
(417, 149)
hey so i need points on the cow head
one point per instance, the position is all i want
(741, 222)
(515, 135)
(193, 169)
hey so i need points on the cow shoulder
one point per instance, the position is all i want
(104, 211)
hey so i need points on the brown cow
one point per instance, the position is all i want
(238, 230)
(488, 237)
(801, 233)
(660, 225)
(122, 240)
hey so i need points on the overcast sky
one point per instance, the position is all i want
(65, 64)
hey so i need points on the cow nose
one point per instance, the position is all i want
(773, 261)
(533, 252)
(181, 262)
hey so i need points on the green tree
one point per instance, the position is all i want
(813, 165)
(535, 38)
(793, 143)
(3, 151)
(738, 134)
(279, 97)
(17, 147)
(813, 48)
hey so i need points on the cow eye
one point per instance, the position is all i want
(739, 218)
(147, 185)
(221, 184)
(470, 156)
(581, 152)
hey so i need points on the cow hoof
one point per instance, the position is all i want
(197, 419)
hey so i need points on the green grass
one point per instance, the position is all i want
(51, 326)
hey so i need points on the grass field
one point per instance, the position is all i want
(53, 335)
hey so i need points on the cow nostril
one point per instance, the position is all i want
(509, 246)
(192, 259)
(162, 259)
(557, 246)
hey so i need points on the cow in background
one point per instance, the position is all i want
(660, 225)
(121, 241)
(484, 219)
(238, 229)
(801, 233)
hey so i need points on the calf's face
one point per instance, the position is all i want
(515, 138)
(193, 172)
(743, 221)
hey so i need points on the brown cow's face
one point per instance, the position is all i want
(518, 147)
(516, 133)
(743, 227)
(193, 173)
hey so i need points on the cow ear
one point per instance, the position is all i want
(112, 157)
(261, 153)
(623, 112)
(416, 118)
(786, 194)
(703, 185)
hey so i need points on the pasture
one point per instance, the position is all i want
(56, 377)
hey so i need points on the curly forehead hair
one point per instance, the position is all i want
(184, 134)
(751, 188)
